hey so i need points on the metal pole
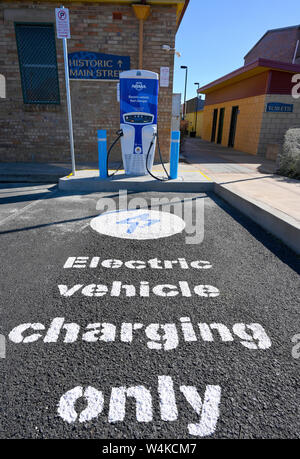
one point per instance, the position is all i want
(174, 154)
(102, 153)
(186, 71)
(196, 115)
(197, 99)
(65, 47)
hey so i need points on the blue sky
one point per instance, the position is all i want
(215, 35)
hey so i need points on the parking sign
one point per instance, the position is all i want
(62, 23)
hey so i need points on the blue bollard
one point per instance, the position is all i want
(102, 153)
(174, 155)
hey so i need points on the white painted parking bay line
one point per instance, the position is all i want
(18, 212)
(21, 211)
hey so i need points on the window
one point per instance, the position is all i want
(38, 65)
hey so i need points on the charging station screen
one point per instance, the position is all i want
(138, 96)
(138, 118)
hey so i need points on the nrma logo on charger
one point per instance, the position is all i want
(139, 86)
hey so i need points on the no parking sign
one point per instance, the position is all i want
(62, 23)
(63, 32)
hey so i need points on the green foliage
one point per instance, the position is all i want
(289, 157)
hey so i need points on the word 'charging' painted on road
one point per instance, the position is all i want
(155, 336)
(138, 224)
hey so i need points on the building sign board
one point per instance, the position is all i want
(279, 107)
(164, 77)
(84, 65)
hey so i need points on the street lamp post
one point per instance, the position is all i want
(186, 72)
(196, 108)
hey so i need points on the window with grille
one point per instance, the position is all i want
(38, 64)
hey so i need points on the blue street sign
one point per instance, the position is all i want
(85, 65)
(279, 107)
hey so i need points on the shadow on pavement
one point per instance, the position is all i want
(278, 248)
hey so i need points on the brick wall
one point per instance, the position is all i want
(40, 132)
(275, 125)
(278, 45)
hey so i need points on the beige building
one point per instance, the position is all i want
(251, 108)
(194, 116)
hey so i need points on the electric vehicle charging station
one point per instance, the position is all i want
(138, 120)
(138, 95)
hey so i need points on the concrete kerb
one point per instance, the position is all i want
(138, 184)
(281, 225)
(272, 220)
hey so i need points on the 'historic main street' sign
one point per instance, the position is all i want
(85, 65)
(279, 107)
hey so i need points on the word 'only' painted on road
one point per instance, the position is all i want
(138, 224)
(207, 408)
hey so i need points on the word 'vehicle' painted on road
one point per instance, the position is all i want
(206, 407)
(138, 224)
(143, 290)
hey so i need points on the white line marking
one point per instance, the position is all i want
(21, 211)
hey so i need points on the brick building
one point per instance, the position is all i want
(251, 108)
(33, 118)
(278, 45)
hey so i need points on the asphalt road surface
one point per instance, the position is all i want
(104, 337)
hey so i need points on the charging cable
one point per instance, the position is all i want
(161, 179)
(119, 134)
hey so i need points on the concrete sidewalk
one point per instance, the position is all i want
(38, 172)
(189, 180)
(249, 175)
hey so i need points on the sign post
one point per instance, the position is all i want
(63, 32)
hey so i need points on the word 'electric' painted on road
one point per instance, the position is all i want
(138, 224)
(154, 263)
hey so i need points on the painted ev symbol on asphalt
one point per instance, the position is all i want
(138, 224)
(134, 222)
